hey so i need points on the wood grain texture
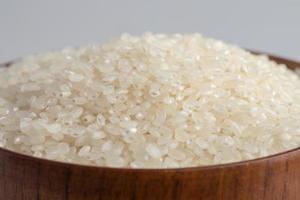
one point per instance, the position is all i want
(271, 178)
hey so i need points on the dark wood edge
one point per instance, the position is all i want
(280, 60)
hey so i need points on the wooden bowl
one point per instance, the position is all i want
(269, 178)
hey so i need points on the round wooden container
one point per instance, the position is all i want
(274, 177)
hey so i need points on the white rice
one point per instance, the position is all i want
(155, 101)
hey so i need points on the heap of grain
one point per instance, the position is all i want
(155, 101)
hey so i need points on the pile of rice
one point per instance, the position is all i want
(155, 101)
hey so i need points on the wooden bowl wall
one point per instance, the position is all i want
(274, 177)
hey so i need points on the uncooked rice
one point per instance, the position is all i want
(155, 101)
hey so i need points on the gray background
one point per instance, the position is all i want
(28, 26)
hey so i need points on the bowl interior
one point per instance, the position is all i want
(280, 60)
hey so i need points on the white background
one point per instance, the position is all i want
(28, 26)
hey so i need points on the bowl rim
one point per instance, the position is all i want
(45, 161)
(279, 59)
